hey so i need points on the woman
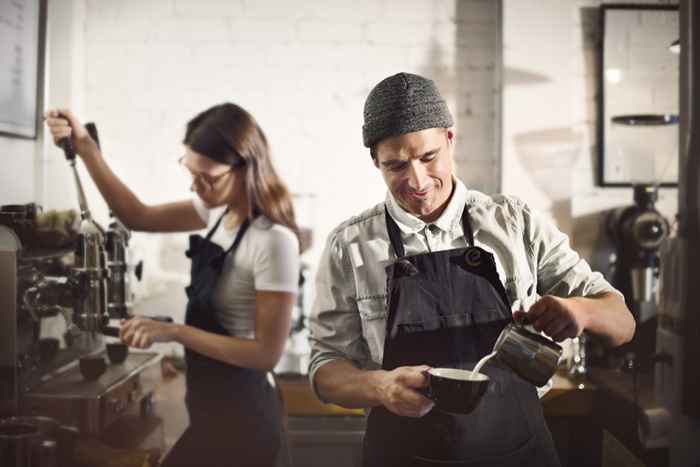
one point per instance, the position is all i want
(244, 277)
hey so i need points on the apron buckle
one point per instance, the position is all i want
(472, 257)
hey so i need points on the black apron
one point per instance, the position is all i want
(446, 309)
(234, 412)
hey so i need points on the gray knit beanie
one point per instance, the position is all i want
(403, 103)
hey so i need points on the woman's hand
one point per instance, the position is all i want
(142, 332)
(63, 124)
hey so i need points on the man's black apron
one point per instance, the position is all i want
(446, 309)
(234, 412)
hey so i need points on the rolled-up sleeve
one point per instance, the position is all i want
(335, 326)
(560, 270)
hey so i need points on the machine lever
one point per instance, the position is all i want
(67, 147)
(92, 131)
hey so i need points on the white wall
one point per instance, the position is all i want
(303, 69)
(549, 116)
(140, 70)
(17, 174)
(28, 174)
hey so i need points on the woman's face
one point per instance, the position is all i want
(215, 183)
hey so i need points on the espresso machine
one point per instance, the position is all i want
(60, 285)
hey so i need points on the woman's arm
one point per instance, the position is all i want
(272, 322)
(179, 216)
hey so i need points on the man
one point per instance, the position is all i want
(428, 279)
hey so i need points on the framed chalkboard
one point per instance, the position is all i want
(22, 38)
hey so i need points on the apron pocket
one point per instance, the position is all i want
(436, 322)
(522, 456)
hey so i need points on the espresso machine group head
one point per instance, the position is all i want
(90, 269)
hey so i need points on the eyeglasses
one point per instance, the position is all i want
(204, 180)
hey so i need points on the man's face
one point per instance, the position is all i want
(417, 168)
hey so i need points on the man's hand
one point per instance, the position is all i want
(398, 391)
(559, 318)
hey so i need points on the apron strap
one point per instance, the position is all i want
(239, 237)
(216, 226)
(395, 232)
(467, 226)
(218, 262)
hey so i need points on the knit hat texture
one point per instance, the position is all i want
(403, 103)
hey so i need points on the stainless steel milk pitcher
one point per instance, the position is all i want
(530, 355)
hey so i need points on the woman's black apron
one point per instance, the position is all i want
(446, 309)
(234, 412)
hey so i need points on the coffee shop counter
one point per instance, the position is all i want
(566, 398)
(322, 432)
(315, 428)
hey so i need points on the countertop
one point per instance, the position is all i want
(566, 398)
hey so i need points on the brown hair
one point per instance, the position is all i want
(227, 133)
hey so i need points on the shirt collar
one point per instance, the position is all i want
(449, 220)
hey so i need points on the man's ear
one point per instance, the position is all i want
(450, 133)
(373, 153)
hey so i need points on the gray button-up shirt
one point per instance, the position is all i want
(348, 319)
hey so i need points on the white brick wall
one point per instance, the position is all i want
(550, 90)
(303, 69)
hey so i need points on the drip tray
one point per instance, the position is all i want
(91, 406)
(71, 383)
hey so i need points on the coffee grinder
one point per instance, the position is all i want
(637, 232)
(646, 144)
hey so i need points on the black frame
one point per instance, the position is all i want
(601, 88)
(40, 67)
(689, 208)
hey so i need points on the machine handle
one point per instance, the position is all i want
(67, 146)
(113, 331)
(161, 318)
(92, 131)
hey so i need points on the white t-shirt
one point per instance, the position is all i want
(267, 259)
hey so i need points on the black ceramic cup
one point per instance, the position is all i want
(454, 390)
(117, 352)
(92, 367)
